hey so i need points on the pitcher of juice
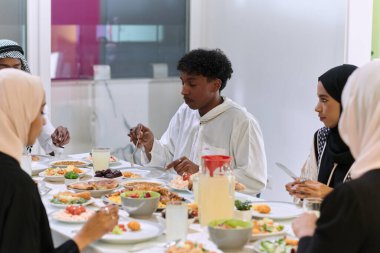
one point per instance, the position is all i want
(216, 189)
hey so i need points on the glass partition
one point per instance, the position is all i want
(136, 38)
(13, 21)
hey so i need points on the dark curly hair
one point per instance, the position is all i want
(209, 63)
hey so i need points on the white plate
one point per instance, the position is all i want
(257, 245)
(89, 202)
(53, 163)
(95, 193)
(142, 173)
(185, 189)
(42, 158)
(161, 183)
(67, 220)
(256, 237)
(36, 170)
(279, 210)
(108, 201)
(149, 230)
(60, 178)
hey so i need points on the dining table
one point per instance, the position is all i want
(62, 231)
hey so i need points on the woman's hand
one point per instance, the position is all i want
(290, 187)
(183, 165)
(304, 225)
(311, 189)
(100, 223)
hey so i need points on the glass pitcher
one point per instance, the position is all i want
(216, 189)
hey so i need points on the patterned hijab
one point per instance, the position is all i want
(360, 121)
(21, 97)
(10, 49)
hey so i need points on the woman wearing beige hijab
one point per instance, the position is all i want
(350, 219)
(24, 226)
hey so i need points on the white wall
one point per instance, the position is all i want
(359, 31)
(278, 49)
(97, 115)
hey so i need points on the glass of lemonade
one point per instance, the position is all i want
(312, 205)
(101, 158)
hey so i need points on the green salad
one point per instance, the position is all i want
(78, 201)
(243, 206)
(71, 175)
(230, 224)
(278, 246)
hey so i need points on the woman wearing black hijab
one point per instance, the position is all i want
(329, 162)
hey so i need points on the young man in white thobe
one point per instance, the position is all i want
(207, 123)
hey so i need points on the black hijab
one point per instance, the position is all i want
(336, 151)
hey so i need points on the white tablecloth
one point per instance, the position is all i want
(62, 231)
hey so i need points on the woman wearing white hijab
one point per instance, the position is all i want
(350, 219)
(24, 226)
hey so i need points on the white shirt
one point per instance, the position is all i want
(44, 139)
(227, 129)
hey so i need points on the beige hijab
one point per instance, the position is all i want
(359, 125)
(21, 97)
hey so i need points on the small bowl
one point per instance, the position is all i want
(232, 238)
(140, 207)
(245, 215)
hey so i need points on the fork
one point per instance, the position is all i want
(133, 154)
(146, 245)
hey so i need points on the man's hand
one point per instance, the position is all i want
(304, 225)
(183, 165)
(142, 136)
(60, 137)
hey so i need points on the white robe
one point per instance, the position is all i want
(227, 129)
(44, 139)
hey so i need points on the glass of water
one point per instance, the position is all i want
(101, 158)
(26, 163)
(312, 205)
(176, 220)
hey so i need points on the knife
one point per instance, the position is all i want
(289, 172)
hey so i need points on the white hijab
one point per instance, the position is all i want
(21, 97)
(359, 125)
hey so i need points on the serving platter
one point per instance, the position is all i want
(59, 178)
(65, 163)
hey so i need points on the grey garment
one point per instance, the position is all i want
(10, 49)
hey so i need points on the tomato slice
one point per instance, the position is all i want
(186, 176)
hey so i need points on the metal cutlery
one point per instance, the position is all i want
(290, 173)
(146, 245)
(133, 154)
